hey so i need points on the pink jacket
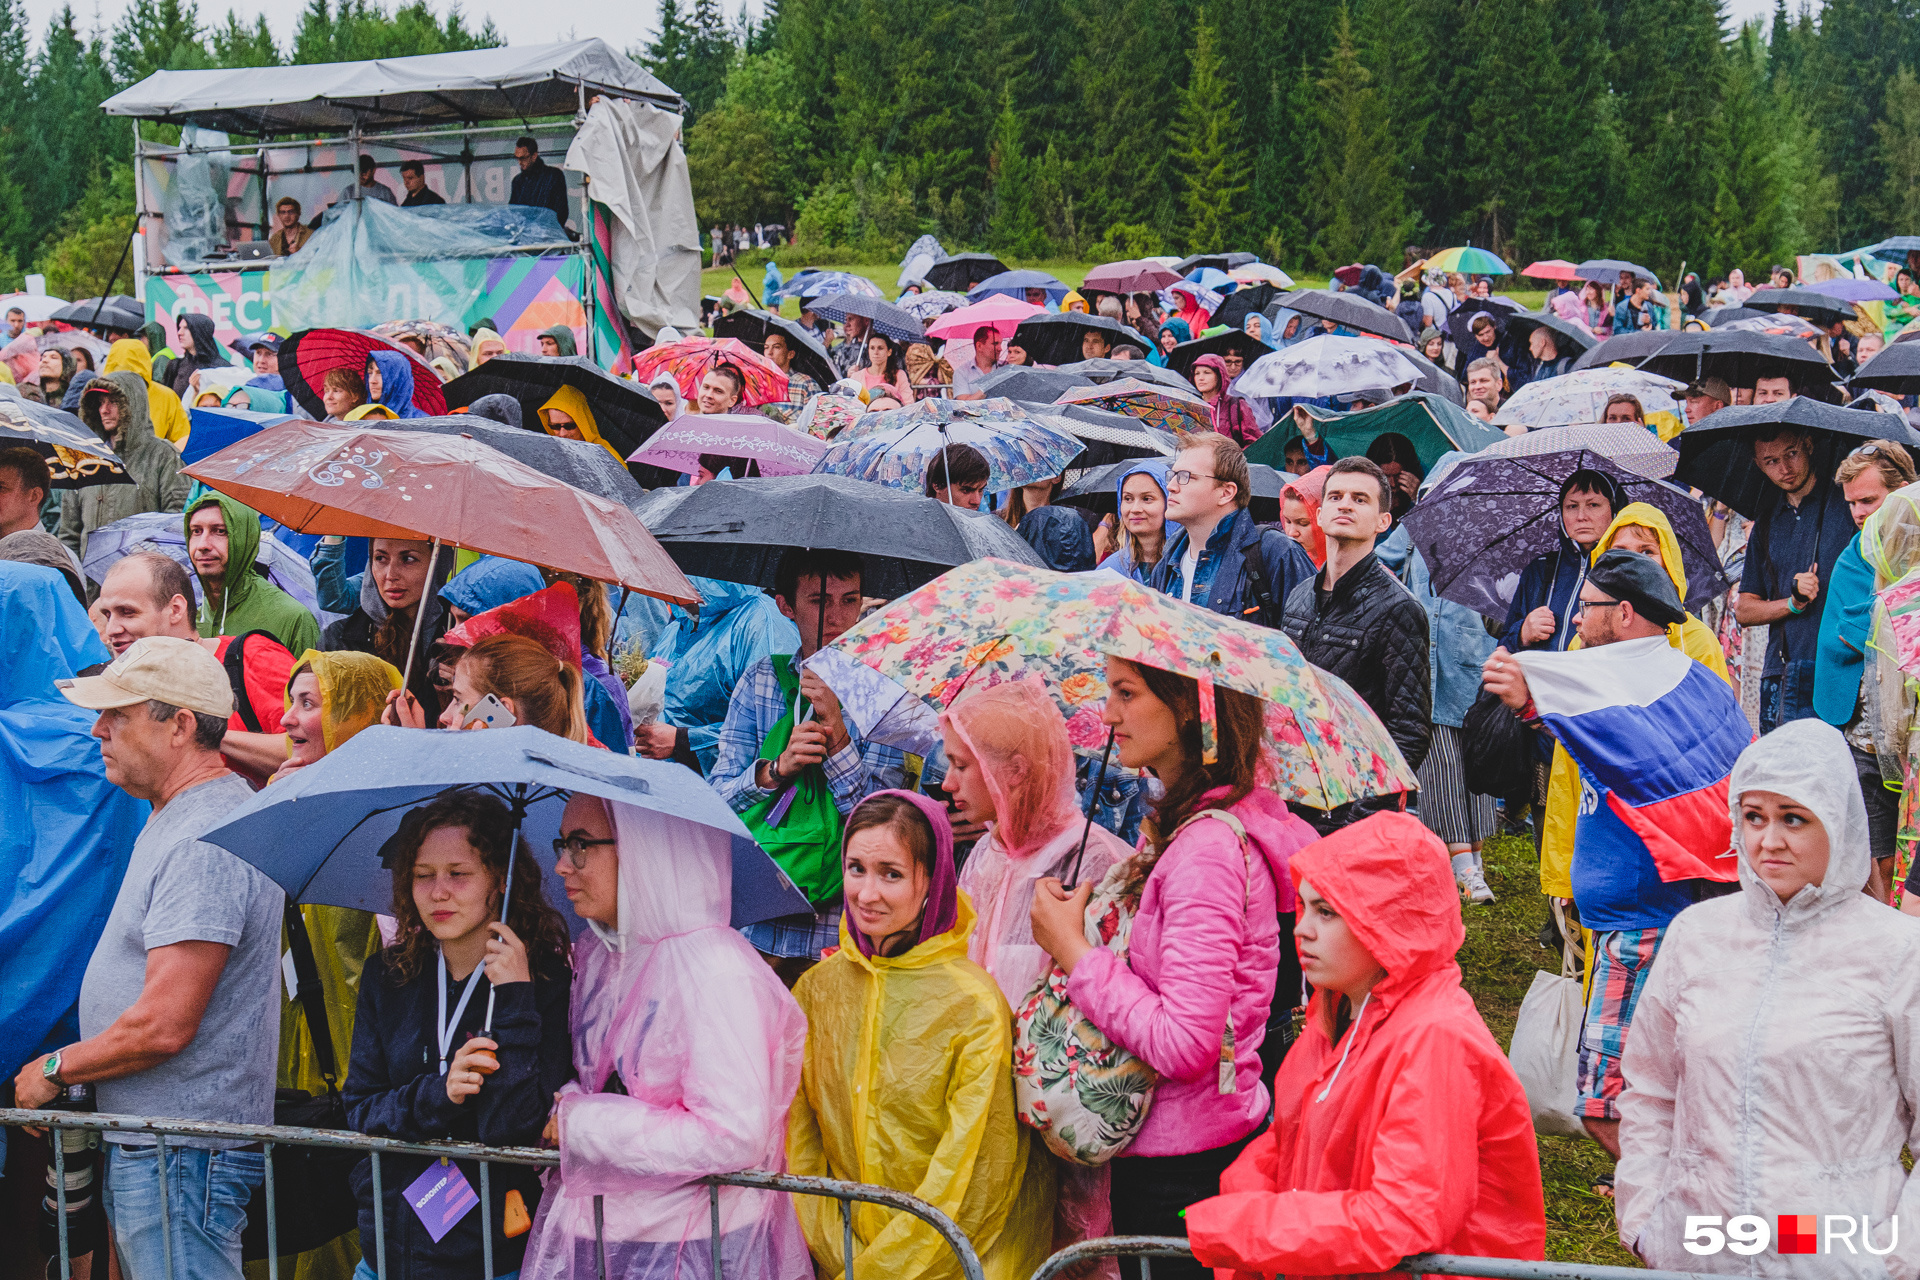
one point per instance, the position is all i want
(1206, 941)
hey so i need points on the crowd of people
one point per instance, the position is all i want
(1722, 802)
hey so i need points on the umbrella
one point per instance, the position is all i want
(1326, 366)
(1433, 378)
(625, 414)
(165, 532)
(752, 327)
(826, 416)
(1894, 244)
(1260, 273)
(1895, 368)
(690, 359)
(1626, 443)
(1243, 302)
(1109, 436)
(1014, 284)
(1489, 516)
(1852, 290)
(961, 271)
(1349, 309)
(330, 852)
(737, 530)
(1000, 311)
(1218, 261)
(779, 450)
(76, 456)
(1571, 339)
(1101, 371)
(1471, 261)
(1028, 384)
(117, 312)
(306, 357)
(1017, 452)
(36, 306)
(391, 483)
(1607, 271)
(1460, 323)
(809, 282)
(1581, 396)
(1164, 407)
(579, 463)
(1716, 453)
(1714, 317)
(1625, 348)
(1249, 348)
(1815, 305)
(1766, 322)
(1130, 275)
(438, 339)
(888, 320)
(1551, 269)
(925, 306)
(1435, 425)
(991, 621)
(1739, 357)
(1058, 339)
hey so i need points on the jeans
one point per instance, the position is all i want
(207, 1194)
(1117, 807)
(1787, 696)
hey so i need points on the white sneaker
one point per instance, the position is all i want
(1474, 886)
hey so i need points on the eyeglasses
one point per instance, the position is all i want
(573, 849)
(1181, 479)
(1581, 606)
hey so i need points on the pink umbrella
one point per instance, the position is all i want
(1551, 269)
(1130, 275)
(778, 449)
(1000, 311)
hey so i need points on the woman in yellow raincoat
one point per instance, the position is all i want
(908, 1080)
(486, 345)
(1640, 527)
(566, 414)
(163, 406)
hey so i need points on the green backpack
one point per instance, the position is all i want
(799, 827)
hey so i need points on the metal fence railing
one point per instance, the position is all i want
(1147, 1248)
(271, 1136)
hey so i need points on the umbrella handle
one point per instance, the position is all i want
(419, 616)
(506, 900)
(1099, 781)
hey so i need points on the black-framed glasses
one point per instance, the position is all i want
(1181, 479)
(1581, 606)
(574, 848)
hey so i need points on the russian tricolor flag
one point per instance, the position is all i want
(1660, 733)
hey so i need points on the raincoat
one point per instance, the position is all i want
(1306, 491)
(158, 484)
(257, 399)
(1692, 637)
(909, 1084)
(490, 582)
(1232, 416)
(486, 345)
(707, 1046)
(1059, 537)
(169, 417)
(1772, 1060)
(1411, 1135)
(562, 338)
(69, 832)
(396, 384)
(206, 354)
(569, 401)
(244, 600)
(1121, 561)
(365, 412)
(738, 625)
(1181, 333)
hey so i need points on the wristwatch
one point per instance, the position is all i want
(50, 1070)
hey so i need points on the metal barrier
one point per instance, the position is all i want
(1424, 1264)
(271, 1136)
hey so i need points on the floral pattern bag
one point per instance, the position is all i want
(1086, 1095)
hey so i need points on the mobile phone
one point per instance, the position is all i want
(488, 713)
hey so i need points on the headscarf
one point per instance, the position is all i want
(353, 690)
(665, 379)
(562, 338)
(1009, 728)
(942, 909)
(482, 339)
(396, 384)
(1307, 490)
(571, 402)
(1232, 416)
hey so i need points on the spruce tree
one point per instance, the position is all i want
(1898, 136)
(1357, 189)
(1215, 170)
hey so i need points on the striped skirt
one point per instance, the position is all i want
(1453, 813)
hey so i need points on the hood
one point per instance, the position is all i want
(481, 339)
(243, 547)
(1890, 539)
(571, 402)
(1179, 329)
(563, 338)
(396, 383)
(1651, 517)
(35, 545)
(1307, 490)
(1070, 299)
(129, 355)
(939, 919)
(717, 600)
(375, 608)
(549, 617)
(1391, 881)
(206, 343)
(1015, 731)
(490, 582)
(1155, 467)
(1059, 537)
(1806, 761)
(497, 407)
(1219, 367)
(369, 413)
(353, 690)
(132, 388)
(71, 400)
(257, 399)
(36, 601)
(687, 870)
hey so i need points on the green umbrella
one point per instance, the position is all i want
(1435, 425)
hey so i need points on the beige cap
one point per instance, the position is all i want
(159, 668)
(1714, 388)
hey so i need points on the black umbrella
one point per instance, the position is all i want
(1435, 379)
(76, 456)
(737, 530)
(1094, 490)
(1630, 348)
(580, 463)
(1717, 316)
(1740, 356)
(1460, 323)
(1895, 369)
(752, 327)
(117, 312)
(1716, 453)
(1607, 271)
(1248, 299)
(1571, 338)
(1097, 372)
(1109, 437)
(1037, 386)
(1349, 309)
(888, 320)
(1817, 307)
(1218, 261)
(1181, 359)
(626, 415)
(961, 271)
(1057, 339)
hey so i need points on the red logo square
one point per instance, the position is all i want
(1799, 1233)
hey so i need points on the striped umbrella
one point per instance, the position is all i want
(689, 359)
(1470, 261)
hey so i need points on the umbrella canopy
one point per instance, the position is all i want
(1470, 261)
(779, 450)
(690, 359)
(1260, 273)
(1057, 339)
(76, 456)
(435, 339)
(1249, 348)
(961, 271)
(1894, 244)
(165, 532)
(811, 282)
(752, 327)
(1625, 348)
(1109, 436)
(1570, 338)
(1030, 385)
(924, 307)
(1581, 396)
(117, 312)
(1349, 309)
(319, 833)
(1003, 312)
(1607, 271)
(1552, 269)
(1103, 371)
(1130, 275)
(579, 463)
(35, 306)
(1327, 366)
(1716, 453)
(1630, 445)
(1434, 379)
(1814, 304)
(1852, 290)
(737, 530)
(1217, 261)
(888, 320)
(1014, 284)
(1767, 322)
(306, 357)
(1244, 301)
(414, 484)
(1164, 407)
(1436, 426)
(826, 416)
(1017, 452)
(1488, 517)
(1738, 356)
(625, 414)
(1714, 317)
(1895, 368)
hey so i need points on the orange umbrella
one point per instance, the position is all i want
(1551, 269)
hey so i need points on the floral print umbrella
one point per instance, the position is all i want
(1158, 406)
(689, 359)
(827, 416)
(1581, 396)
(992, 620)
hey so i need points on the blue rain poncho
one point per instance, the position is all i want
(738, 626)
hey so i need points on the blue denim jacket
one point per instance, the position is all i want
(1458, 645)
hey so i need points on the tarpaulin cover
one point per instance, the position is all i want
(631, 154)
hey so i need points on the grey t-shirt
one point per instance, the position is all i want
(178, 888)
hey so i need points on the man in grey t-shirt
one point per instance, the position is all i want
(177, 1002)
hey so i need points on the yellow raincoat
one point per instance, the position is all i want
(479, 353)
(169, 417)
(1692, 637)
(370, 410)
(908, 1083)
(569, 401)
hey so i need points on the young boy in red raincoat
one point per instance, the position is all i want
(1398, 1126)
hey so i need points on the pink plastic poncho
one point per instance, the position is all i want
(707, 1044)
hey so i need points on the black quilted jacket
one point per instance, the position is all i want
(1371, 633)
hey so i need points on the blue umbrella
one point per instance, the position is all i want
(809, 283)
(1018, 452)
(887, 319)
(319, 832)
(1014, 284)
(165, 532)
